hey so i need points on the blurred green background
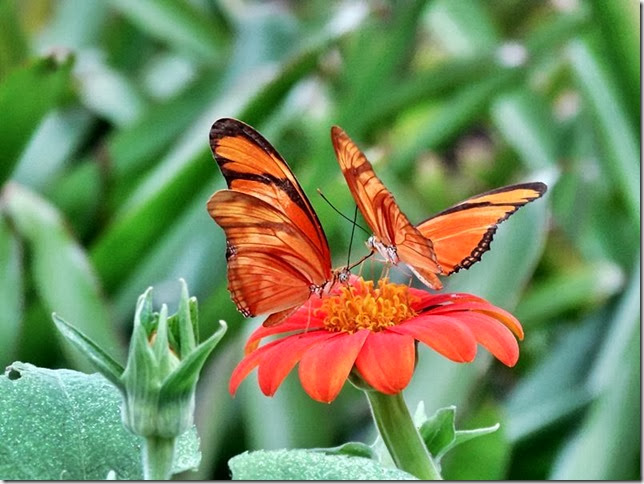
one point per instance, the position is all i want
(105, 171)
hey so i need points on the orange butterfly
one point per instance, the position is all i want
(276, 250)
(452, 240)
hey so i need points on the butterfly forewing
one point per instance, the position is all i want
(462, 234)
(381, 212)
(251, 165)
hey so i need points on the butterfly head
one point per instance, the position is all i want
(342, 275)
(389, 252)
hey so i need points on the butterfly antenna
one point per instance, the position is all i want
(343, 215)
(353, 231)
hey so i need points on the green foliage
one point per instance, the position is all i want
(441, 436)
(73, 422)
(285, 465)
(106, 172)
(27, 94)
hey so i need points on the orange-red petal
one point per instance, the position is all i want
(444, 334)
(386, 361)
(300, 321)
(248, 364)
(494, 336)
(280, 360)
(324, 367)
(425, 299)
(500, 314)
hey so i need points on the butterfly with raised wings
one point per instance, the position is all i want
(276, 250)
(451, 240)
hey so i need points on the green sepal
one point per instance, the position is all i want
(187, 325)
(144, 313)
(440, 435)
(185, 376)
(108, 367)
(159, 381)
(351, 449)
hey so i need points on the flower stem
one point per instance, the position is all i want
(158, 455)
(399, 433)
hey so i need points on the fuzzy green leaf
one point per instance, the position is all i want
(308, 465)
(74, 424)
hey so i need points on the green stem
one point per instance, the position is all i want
(158, 455)
(399, 433)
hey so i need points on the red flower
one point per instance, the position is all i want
(375, 329)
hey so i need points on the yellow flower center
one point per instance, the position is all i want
(363, 306)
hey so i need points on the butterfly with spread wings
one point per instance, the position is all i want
(276, 250)
(453, 239)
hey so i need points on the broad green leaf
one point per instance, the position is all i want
(463, 28)
(13, 41)
(74, 193)
(11, 298)
(140, 144)
(28, 93)
(305, 465)
(61, 424)
(106, 91)
(625, 319)
(607, 444)
(619, 23)
(586, 287)
(192, 249)
(64, 28)
(52, 146)
(179, 24)
(63, 276)
(388, 39)
(620, 157)
(524, 120)
(451, 117)
(555, 387)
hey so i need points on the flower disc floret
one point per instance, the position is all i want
(364, 306)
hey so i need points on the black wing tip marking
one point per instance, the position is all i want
(226, 127)
(538, 187)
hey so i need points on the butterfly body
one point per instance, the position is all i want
(388, 252)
